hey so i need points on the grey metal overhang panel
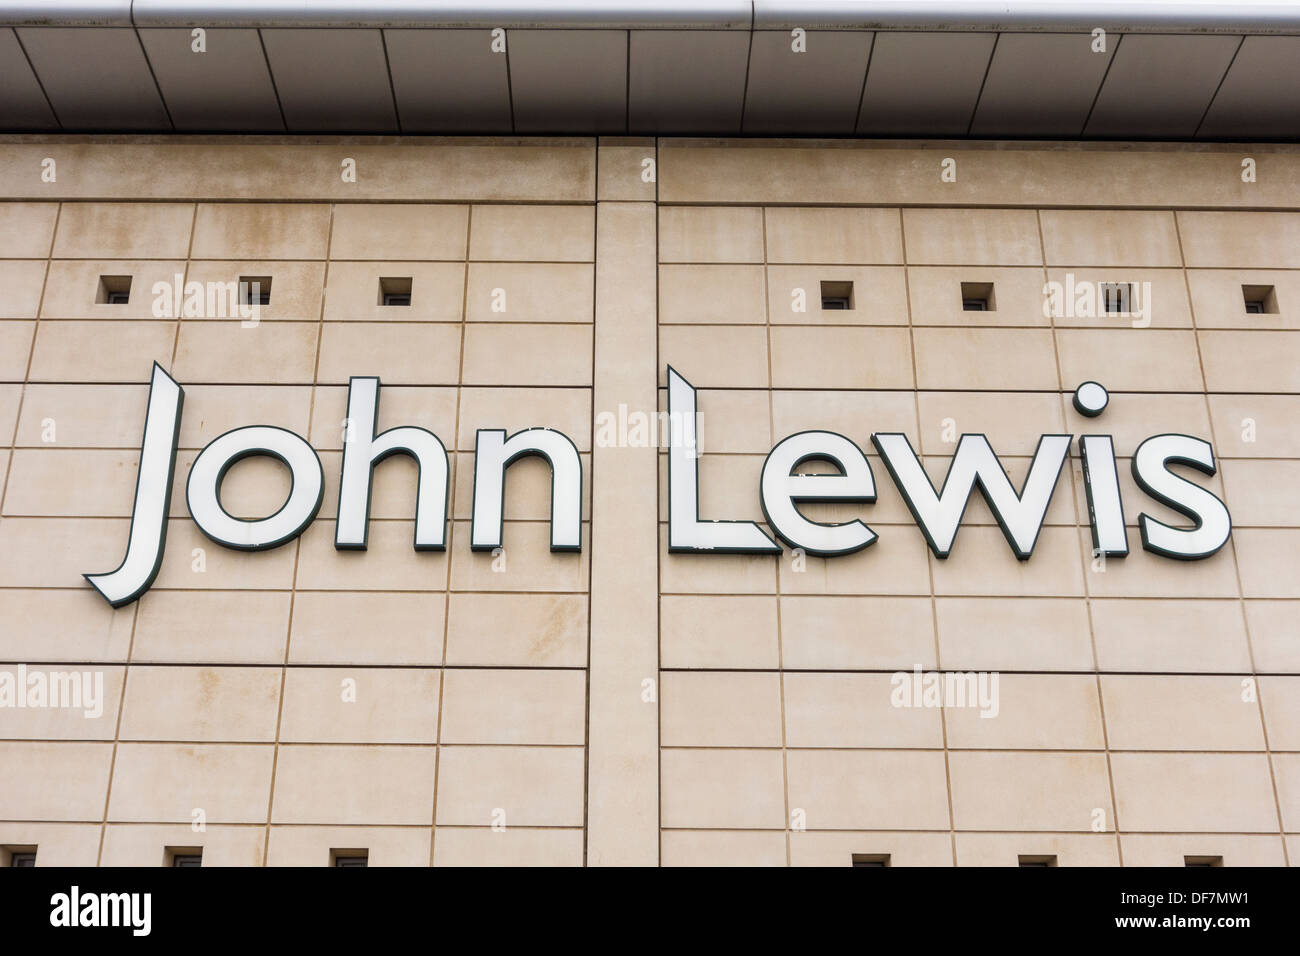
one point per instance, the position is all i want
(813, 92)
(568, 81)
(227, 87)
(449, 81)
(95, 77)
(924, 83)
(680, 63)
(331, 80)
(1159, 86)
(1041, 84)
(687, 81)
(22, 104)
(1260, 96)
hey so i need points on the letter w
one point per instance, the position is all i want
(1020, 516)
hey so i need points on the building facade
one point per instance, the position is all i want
(634, 701)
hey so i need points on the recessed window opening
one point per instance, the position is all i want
(1046, 859)
(255, 290)
(1198, 861)
(113, 290)
(977, 297)
(1116, 297)
(1259, 299)
(395, 290)
(837, 296)
(349, 859)
(183, 857)
(17, 857)
(871, 859)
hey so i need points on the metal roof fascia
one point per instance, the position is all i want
(1038, 16)
(449, 14)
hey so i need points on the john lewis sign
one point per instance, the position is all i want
(938, 514)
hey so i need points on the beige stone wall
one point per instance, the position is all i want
(626, 705)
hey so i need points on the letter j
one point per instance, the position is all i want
(153, 495)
